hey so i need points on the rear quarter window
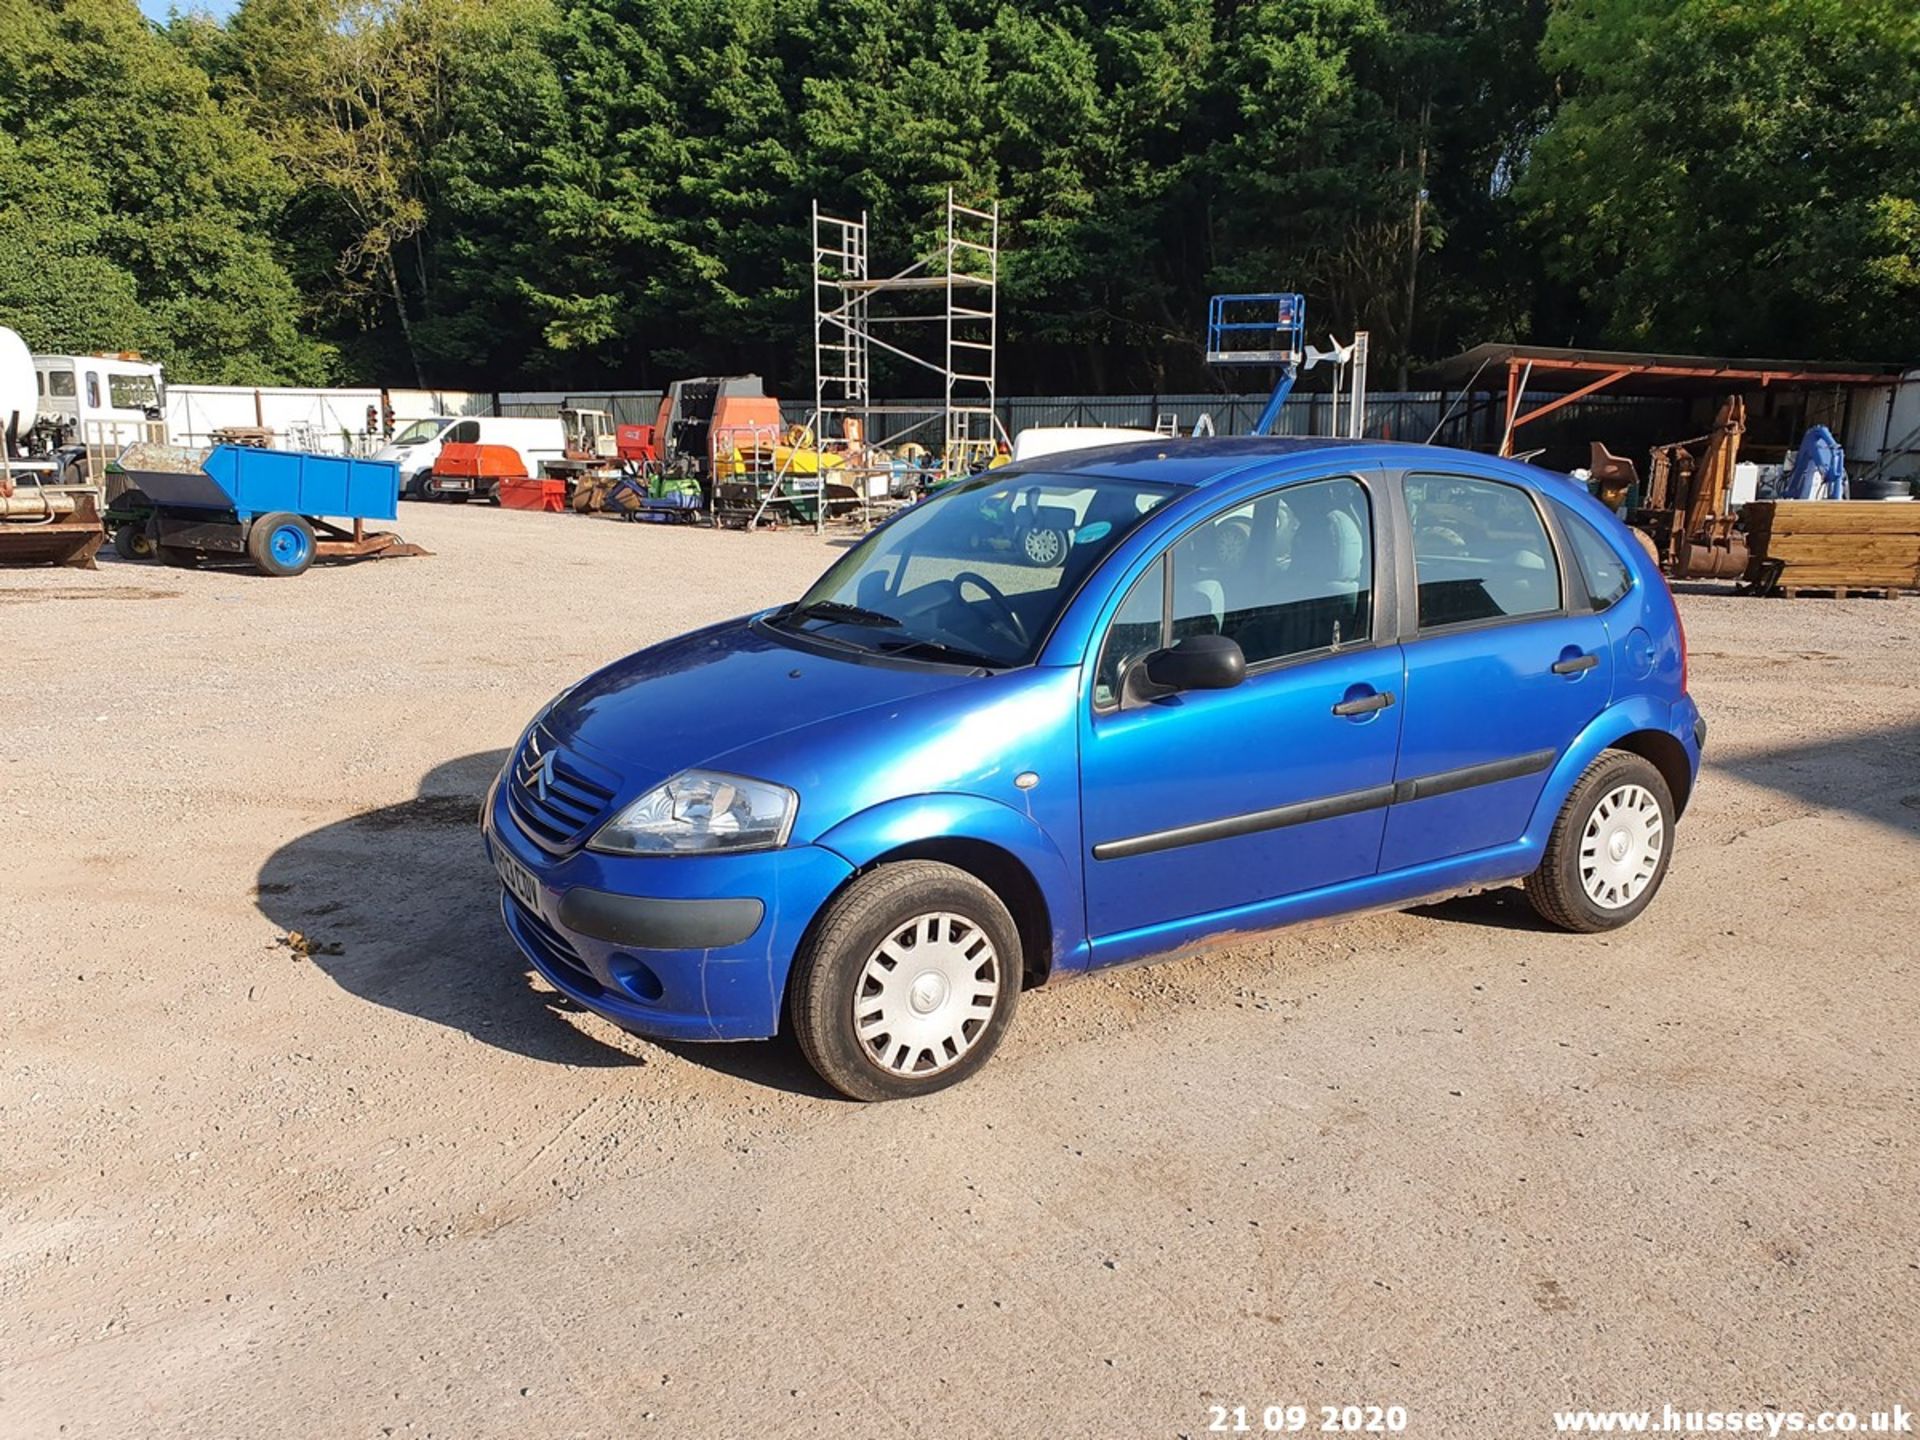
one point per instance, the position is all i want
(1606, 574)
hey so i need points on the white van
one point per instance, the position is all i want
(1038, 440)
(416, 444)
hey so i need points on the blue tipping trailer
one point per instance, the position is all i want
(279, 508)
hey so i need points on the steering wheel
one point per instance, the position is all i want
(1011, 617)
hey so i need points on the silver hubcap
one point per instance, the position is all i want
(1620, 850)
(926, 994)
(1043, 546)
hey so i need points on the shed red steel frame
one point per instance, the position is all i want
(1659, 374)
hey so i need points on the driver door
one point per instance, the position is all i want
(1207, 803)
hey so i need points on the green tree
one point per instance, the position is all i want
(1737, 178)
(140, 213)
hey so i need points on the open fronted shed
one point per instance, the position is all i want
(1523, 385)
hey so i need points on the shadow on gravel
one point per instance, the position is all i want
(406, 893)
(1875, 775)
(1504, 909)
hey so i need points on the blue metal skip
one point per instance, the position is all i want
(258, 481)
(248, 481)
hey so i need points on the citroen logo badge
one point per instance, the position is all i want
(540, 775)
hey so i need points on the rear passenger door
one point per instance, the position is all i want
(1506, 664)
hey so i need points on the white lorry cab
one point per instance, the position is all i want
(102, 403)
(416, 444)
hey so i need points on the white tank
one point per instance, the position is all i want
(19, 399)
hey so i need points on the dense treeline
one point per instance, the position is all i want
(499, 192)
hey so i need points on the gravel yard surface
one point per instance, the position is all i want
(1437, 1158)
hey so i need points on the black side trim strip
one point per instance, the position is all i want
(1446, 782)
(1300, 812)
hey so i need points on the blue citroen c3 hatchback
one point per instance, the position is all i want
(1079, 712)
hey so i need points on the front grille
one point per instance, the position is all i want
(557, 797)
(550, 945)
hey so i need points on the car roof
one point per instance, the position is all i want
(1197, 463)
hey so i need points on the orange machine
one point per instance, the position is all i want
(466, 471)
(703, 421)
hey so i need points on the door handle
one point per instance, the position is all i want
(1365, 704)
(1573, 665)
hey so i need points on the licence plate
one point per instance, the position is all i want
(518, 879)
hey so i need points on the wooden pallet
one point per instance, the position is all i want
(1835, 546)
(1844, 592)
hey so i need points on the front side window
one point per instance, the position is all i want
(1289, 574)
(976, 574)
(1600, 564)
(1480, 551)
(1134, 634)
(93, 389)
(467, 432)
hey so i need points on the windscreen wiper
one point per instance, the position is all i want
(841, 613)
(940, 650)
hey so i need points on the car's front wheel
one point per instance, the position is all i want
(1610, 846)
(907, 983)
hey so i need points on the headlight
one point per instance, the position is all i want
(700, 812)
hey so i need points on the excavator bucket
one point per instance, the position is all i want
(50, 525)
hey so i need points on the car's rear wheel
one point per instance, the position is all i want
(1610, 846)
(907, 983)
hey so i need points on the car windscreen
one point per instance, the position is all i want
(418, 431)
(977, 573)
(132, 392)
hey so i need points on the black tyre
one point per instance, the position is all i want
(1878, 489)
(280, 544)
(907, 983)
(1609, 849)
(131, 542)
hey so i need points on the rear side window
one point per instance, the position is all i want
(1480, 551)
(60, 382)
(93, 390)
(1600, 564)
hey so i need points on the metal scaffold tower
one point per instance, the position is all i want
(855, 312)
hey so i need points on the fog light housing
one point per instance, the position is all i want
(637, 978)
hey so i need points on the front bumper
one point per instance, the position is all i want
(679, 948)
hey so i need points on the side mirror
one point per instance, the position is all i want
(1199, 662)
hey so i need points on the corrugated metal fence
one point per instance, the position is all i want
(1472, 421)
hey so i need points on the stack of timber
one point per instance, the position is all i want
(1838, 545)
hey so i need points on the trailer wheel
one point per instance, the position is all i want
(131, 542)
(280, 544)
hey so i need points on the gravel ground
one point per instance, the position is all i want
(1437, 1158)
